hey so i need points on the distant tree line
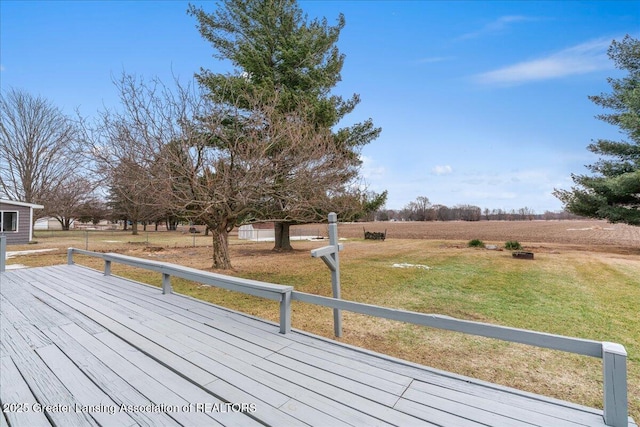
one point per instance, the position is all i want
(422, 210)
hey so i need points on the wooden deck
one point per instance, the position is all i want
(81, 348)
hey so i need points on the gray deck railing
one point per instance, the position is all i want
(280, 293)
(3, 252)
(614, 356)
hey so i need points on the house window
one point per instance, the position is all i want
(8, 221)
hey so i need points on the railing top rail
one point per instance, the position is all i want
(253, 287)
(89, 253)
(539, 339)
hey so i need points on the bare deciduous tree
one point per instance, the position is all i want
(126, 146)
(39, 148)
(66, 201)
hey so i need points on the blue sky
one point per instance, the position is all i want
(481, 103)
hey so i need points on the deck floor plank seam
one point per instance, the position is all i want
(436, 416)
(375, 409)
(351, 363)
(419, 389)
(361, 389)
(76, 289)
(310, 414)
(22, 311)
(485, 415)
(244, 385)
(368, 378)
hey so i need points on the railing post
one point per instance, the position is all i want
(166, 284)
(70, 256)
(285, 313)
(3, 253)
(107, 267)
(614, 368)
(329, 254)
(335, 273)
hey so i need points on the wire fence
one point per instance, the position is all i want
(102, 240)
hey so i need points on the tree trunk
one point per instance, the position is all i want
(283, 242)
(134, 228)
(126, 223)
(221, 259)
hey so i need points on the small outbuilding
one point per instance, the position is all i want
(16, 221)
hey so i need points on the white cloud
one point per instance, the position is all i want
(434, 59)
(581, 59)
(497, 26)
(442, 170)
(370, 169)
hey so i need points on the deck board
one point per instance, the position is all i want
(88, 394)
(72, 336)
(16, 390)
(45, 386)
(112, 384)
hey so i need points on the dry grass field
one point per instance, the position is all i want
(588, 234)
(583, 282)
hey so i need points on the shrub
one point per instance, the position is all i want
(476, 243)
(512, 245)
